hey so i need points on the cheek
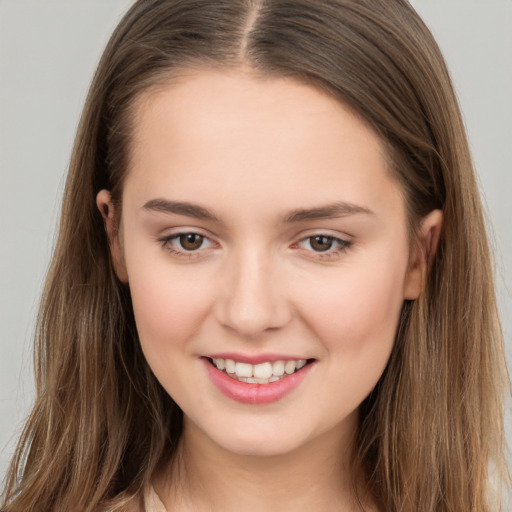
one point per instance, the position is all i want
(355, 321)
(358, 310)
(167, 307)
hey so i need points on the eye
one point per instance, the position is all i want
(191, 241)
(324, 244)
(184, 244)
(320, 243)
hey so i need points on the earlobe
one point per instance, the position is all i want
(106, 208)
(424, 250)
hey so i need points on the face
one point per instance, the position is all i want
(265, 245)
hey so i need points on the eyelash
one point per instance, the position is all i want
(329, 253)
(166, 243)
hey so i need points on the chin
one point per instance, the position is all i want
(262, 441)
(259, 447)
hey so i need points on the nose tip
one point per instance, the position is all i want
(253, 301)
(249, 319)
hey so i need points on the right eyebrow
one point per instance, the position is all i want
(180, 208)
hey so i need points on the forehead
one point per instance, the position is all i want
(212, 134)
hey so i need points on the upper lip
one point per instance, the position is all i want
(254, 358)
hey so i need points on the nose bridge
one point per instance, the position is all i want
(253, 301)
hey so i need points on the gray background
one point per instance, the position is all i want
(48, 52)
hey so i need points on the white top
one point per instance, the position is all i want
(152, 502)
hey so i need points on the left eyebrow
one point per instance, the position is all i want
(180, 208)
(329, 211)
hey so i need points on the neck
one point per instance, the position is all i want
(205, 477)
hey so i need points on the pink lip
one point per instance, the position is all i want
(255, 393)
(256, 359)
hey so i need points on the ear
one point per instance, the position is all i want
(106, 208)
(422, 254)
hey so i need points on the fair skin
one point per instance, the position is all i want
(297, 249)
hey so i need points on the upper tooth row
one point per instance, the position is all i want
(259, 371)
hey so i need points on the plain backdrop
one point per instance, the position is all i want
(48, 53)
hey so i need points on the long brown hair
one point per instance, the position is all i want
(430, 429)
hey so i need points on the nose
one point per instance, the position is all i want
(253, 299)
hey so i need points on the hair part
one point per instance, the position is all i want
(102, 423)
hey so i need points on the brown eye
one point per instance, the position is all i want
(321, 243)
(191, 241)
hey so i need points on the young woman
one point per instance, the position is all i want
(272, 287)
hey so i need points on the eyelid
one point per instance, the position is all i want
(343, 243)
(336, 235)
(166, 242)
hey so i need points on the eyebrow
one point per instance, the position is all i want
(329, 211)
(180, 208)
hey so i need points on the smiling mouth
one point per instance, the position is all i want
(262, 373)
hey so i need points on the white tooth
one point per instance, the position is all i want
(249, 380)
(301, 363)
(262, 381)
(274, 378)
(243, 369)
(229, 365)
(219, 363)
(278, 368)
(289, 367)
(262, 371)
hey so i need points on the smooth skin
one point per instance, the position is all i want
(290, 237)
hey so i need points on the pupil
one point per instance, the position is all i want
(191, 241)
(321, 243)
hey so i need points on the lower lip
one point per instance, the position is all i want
(255, 393)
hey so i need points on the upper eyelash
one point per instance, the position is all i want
(330, 253)
(164, 242)
(343, 245)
